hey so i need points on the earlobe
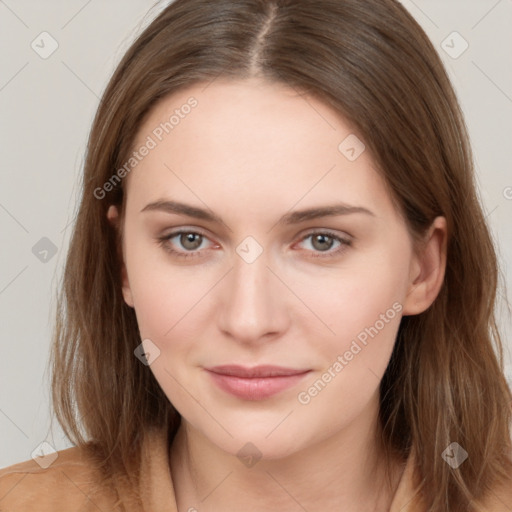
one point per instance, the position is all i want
(113, 218)
(427, 270)
(127, 291)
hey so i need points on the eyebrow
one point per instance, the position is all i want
(294, 217)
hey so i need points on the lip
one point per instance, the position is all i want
(256, 383)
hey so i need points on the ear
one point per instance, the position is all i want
(427, 269)
(113, 218)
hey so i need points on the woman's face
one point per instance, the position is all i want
(261, 276)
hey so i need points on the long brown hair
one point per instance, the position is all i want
(373, 64)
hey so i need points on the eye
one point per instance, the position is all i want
(189, 240)
(323, 241)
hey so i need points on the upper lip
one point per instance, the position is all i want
(256, 371)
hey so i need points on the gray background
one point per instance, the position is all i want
(46, 109)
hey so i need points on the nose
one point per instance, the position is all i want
(253, 304)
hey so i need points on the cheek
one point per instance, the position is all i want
(167, 302)
(348, 301)
(362, 307)
(364, 313)
(364, 324)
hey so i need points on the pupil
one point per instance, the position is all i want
(322, 239)
(189, 238)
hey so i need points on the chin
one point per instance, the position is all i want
(254, 447)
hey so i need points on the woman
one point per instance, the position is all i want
(280, 289)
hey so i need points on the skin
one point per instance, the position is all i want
(251, 152)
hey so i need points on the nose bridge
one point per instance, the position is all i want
(251, 307)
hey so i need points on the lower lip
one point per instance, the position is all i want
(257, 388)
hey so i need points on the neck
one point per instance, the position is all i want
(345, 471)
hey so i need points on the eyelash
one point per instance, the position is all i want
(164, 242)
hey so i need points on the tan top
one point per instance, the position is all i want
(72, 482)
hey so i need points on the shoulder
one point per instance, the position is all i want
(71, 481)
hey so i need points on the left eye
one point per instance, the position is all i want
(191, 241)
(324, 242)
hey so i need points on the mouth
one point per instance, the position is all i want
(257, 383)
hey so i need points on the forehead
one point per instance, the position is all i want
(252, 138)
